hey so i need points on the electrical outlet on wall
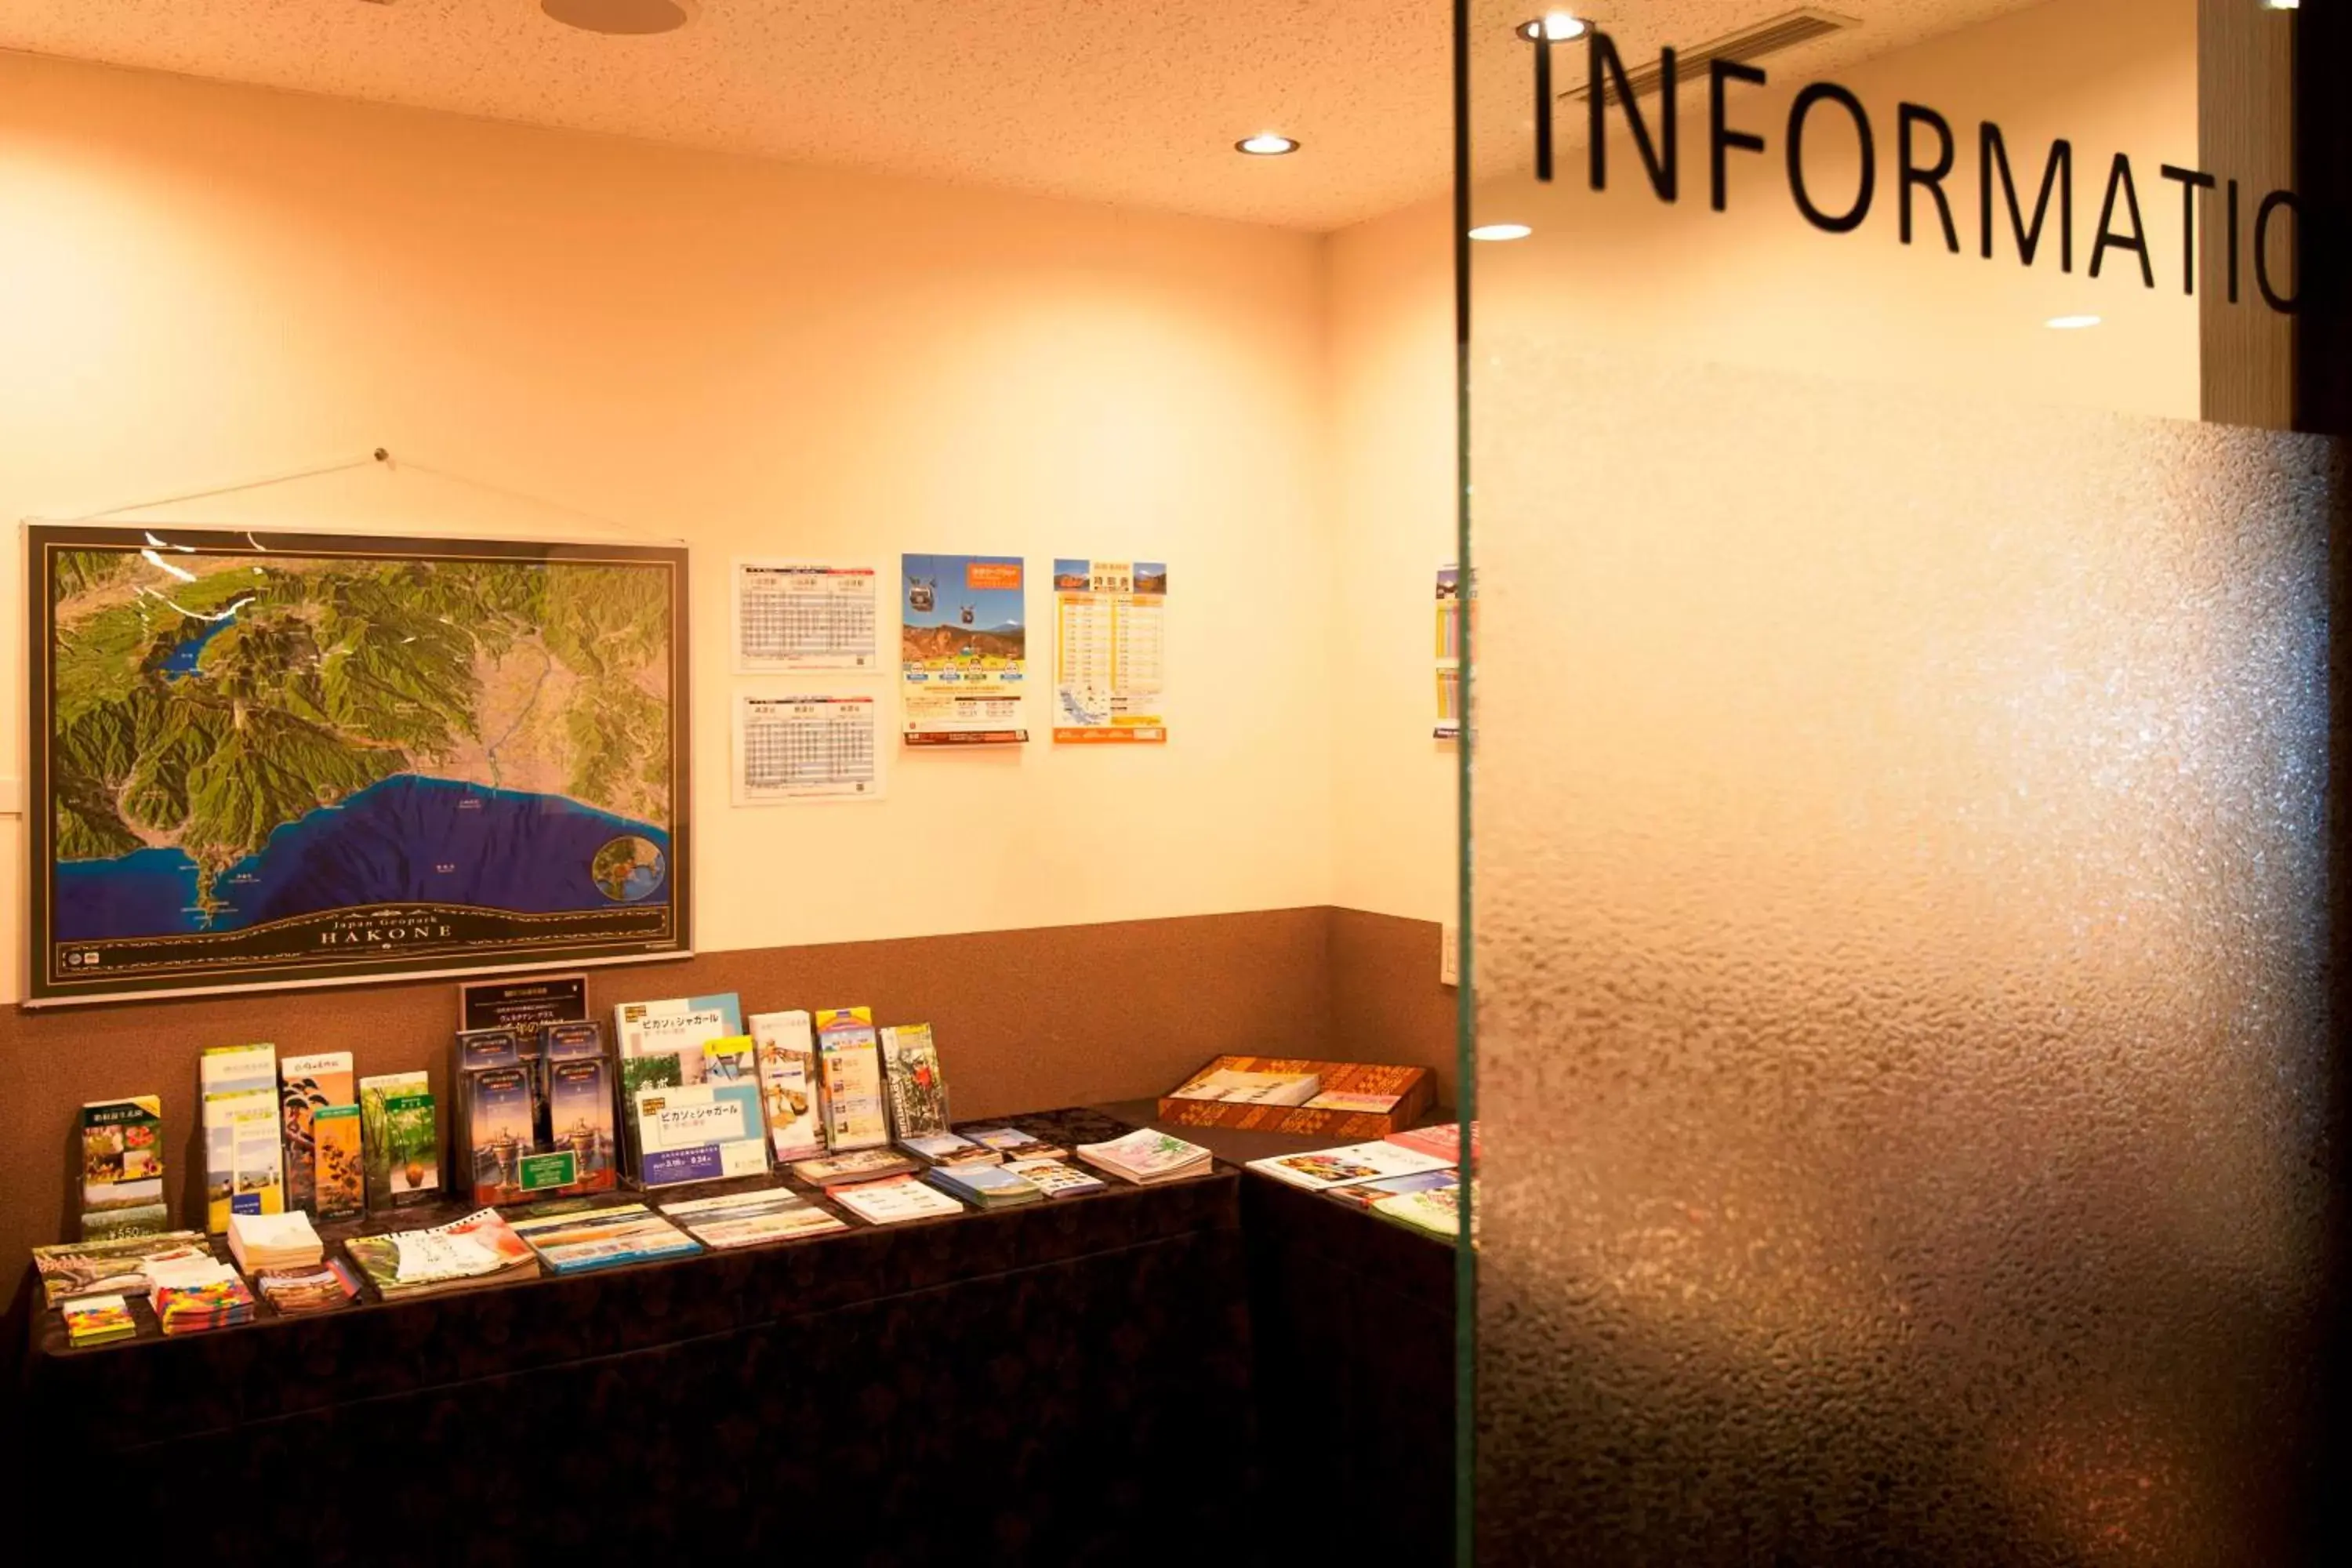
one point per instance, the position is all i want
(1449, 956)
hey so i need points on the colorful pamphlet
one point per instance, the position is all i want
(299, 1292)
(1147, 1157)
(122, 1168)
(479, 1249)
(1444, 1142)
(118, 1264)
(697, 1133)
(306, 1086)
(1364, 1194)
(677, 1026)
(859, 1165)
(233, 1082)
(603, 1238)
(401, 1139)
(787, 1085)
(913, 1084)
(894, 1200)
(947, 1148)
(1013, 1144)
(849, 1074)
(731, 1058)
(579, 1112)
(1324, 1168)
(193, 1294)
(494, 1121)
(1055, 1179)
(1435, 1213)
(95, 1320)
(750, 1219)
(984, 1186)
(338, 1169)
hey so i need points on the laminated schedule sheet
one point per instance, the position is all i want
(797, 615)
(1109, 651)
(802, 746)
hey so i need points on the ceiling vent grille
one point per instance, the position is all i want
(1769, 38)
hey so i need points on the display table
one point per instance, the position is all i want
(1064, 1382)
(1352, 1319)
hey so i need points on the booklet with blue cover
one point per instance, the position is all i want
(984, 1186)
(603, 1238)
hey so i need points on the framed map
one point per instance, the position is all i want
(272, 759)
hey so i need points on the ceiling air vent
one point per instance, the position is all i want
(1769, 38)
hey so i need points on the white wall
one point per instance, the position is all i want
(200, 284)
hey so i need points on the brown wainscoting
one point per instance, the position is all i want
(1026, 1019)
(1386, 1003)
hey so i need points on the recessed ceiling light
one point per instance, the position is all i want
(1265, 144)
(1501, 231)
(623, 18)
(2071, 324)
(1556, 25)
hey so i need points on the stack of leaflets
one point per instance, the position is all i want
(122, 1168)
(748, 1219)
(1321, 1168)
(1146, 1157)
(859, 1165)
(947, 1148)
(985, 1186)
(306, 1086)
(193, 1294)
(603, 1238)
(1437, 1212)
(1014, 1144)
(259, 1241)
(244, 1166)
(1055, 1179)
(96, 1268)
(787, 1058)
(1234, 1087)
(95, 1320)
(298, 1293)
(479, 1249)
(889, 1201)
(577, 1080)
(1364, 1194)
(700, 1131)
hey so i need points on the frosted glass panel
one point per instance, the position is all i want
(1897, 888)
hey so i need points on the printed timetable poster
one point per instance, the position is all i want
(964, 647)
(1449, 653)
(805, 746)
(799, 615)
(1109, 652)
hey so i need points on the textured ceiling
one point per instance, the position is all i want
(1136, 102)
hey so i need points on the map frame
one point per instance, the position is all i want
(50, 981)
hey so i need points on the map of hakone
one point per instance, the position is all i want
(259, 760)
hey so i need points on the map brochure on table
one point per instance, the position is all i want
(964, 650)
(1013, 1144)
(1145, 1156)
(750, 1219)
(1437, 1212)
(895, 1199)
(603, 1238)
(122, 1168)
(1110, 652)
(306, 1086)
(697, 1133)
(269, 758)
(984, 1186)
(94, 1268)
(912, 1081)
(1054, 1178)
(849, 1080)
(479, 1249)
(300, 1292)
(832, 1171)
(245, 1159)
(802, 746)
(677, 1026)
(400, 1140)
(791, 615)
(787, 1056)
(579, 1109)
(96, 1319)
(948, 1149)
(1364, 1194)
(338, 1162)
(1321, 1168)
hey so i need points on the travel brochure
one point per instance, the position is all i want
(750, 1219)
(603, 1238)
(849, 1080)
(1321, 1168)
(122, 1168)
